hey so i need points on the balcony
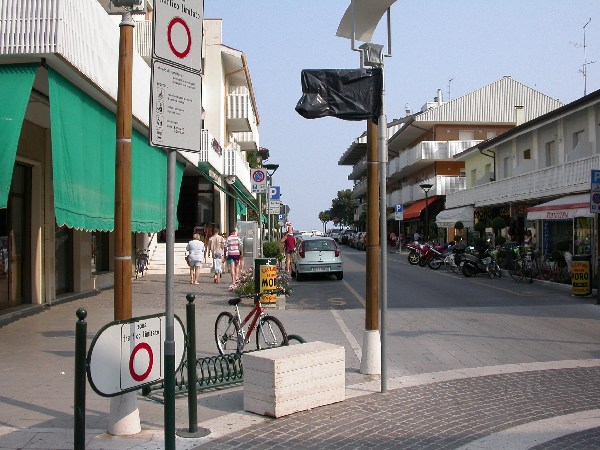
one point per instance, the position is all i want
(247, 140)
(211, 152)
(359, 170)
(240, 115)
(421, 155)
(360, 189)
(142, 37)
(236, 165)
(567, 178)
(412, 193)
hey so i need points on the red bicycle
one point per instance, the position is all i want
(232, 334)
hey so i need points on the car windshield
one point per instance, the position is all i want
(319, 245)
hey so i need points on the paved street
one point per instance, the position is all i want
(473, 376)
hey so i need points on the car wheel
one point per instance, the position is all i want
(339, 275)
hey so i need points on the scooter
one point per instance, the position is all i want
(482, 261)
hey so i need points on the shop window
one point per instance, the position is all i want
(100, 251)
(582, 245)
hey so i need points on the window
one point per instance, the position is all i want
(551, 158)
(466, 135)
(577, 138)
(488, 168)
(527, 154)
(473, 176)
(491, 134)
(507, 166)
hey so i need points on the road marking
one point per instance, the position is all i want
(353, 292)
(519, 293)
(353, 342)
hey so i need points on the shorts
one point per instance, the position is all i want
(233, 259)
(289, 252)
(217, 265)
(195, 262)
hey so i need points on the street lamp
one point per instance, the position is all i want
(271, 169)
(426, 187)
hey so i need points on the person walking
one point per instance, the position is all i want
(194, 254)
(289, 244)
(234, 253)
(216, 247)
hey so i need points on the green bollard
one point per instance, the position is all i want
(80, 365)
(190, 312)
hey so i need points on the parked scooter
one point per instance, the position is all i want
(481, 261)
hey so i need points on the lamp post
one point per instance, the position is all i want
(426, 187)
(271, 169)
(359, 23)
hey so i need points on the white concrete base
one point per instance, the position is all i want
(124, 416)
(370, 363)
(285, 380)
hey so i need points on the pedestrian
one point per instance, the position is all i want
(289, 244)
(402, 241)
(208, 228)
(194, 254)
(416, 236)
(216, 246)
(393, 239)
(233, 245)
(528, 241)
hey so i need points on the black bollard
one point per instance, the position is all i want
(80, 364)
(190, 312)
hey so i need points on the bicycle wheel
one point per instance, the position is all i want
(516, 270)
(227, 334)
(495, 269)
(138, 263)
(270, 333)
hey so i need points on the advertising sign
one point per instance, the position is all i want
(268, 282)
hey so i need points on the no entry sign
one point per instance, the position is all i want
(178, 32)
(126, 355)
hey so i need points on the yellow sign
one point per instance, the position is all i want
(581, 278)
(268, 282)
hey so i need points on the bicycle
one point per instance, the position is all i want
(232, 335)
(524, 265)
(141, 262)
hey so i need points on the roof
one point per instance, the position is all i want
(491, 104)
(236, 67)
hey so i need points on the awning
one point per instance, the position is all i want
(83, 163)
(415, 209)
(15, 90)
(244, 195)
(448, 217)
(567, 207)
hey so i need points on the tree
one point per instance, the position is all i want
(498, 223)
(324, 217)
(343, 207)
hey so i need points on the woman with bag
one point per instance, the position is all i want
(289, 244)
(216, 245)
(194, 254)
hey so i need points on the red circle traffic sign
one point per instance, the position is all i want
(258, 176)
(137, 348)
(175, 21)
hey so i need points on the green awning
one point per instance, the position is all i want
(83, 161)
(15, 89)
(244, 195)
(241, 208)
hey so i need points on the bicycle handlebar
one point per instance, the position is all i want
(254, 294)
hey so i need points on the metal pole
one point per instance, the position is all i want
(260, 225)
(269, 206)
(382, 138)
(169, 343)
(79, 399)
(426, 217)
(190, 314)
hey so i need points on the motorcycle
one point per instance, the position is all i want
(481, 261)
(414, 253)
(435, 256)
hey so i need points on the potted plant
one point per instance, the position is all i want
(480, 228)
(498, 224)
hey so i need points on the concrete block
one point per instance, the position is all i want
(284, 380)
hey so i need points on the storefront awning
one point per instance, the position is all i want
(414, 210)
(244, 195)
(83, 164)
(15, 90)
(567, 207)
(448, 217)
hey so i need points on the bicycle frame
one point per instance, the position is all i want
(257, 311)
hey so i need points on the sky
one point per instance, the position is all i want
(470, 42)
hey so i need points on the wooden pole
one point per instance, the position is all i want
(373, 238)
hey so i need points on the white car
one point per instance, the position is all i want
(317, 254)
(335, 234)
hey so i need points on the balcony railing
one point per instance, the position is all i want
(247, 140)
(564, 179)
(236, 164)
(211, 151)
(425, 151)
(360, 190)
(143, 38)
(359, 170)
(240, 115)
(412, 193)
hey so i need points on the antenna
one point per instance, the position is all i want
(583, 70)
(449, 82)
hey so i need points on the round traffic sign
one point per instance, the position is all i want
(149, 361)
(596, 198)
(258, 176)
(187, 38)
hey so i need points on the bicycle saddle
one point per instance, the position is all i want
(234, 301)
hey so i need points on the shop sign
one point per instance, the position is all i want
(268, 282)
(581, 277)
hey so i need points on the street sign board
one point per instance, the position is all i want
(126, 355)
(275, 193)
(399, 212)
(274, 210)
(177, 34)
(595, 192)
(175, 107)
(258, 178)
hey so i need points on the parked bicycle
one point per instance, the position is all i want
(524, 264)
(232, 334)
(141, 262)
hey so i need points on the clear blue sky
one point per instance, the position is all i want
(472, 42)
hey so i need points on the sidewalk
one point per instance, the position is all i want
(502, 405)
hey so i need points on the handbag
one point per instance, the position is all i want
(187, 260)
